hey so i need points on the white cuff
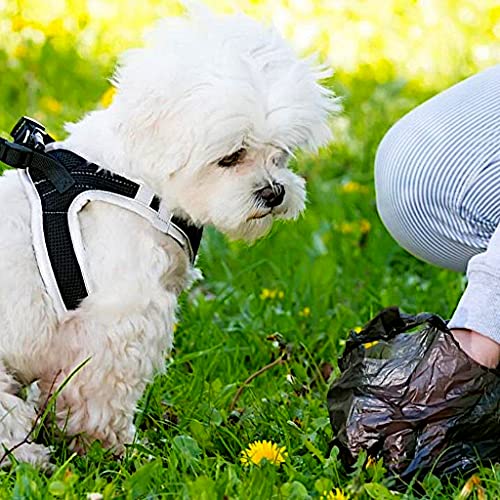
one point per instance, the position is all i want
(479, 307)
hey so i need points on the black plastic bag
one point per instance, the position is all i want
(414, 399)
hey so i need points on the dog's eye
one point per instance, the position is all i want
(280, 159)
(233, 158)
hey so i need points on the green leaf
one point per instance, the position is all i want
(203, 488)
(57, 488)
(294, 491)
(200, 432)
(140, 483)
(379, 491)
(323, 484)
(187, 447)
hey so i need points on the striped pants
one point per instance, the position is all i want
(437, 177)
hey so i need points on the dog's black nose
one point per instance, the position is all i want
(272, 196)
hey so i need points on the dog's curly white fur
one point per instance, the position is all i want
(204, 87)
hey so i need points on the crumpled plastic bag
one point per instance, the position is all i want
(415, 399)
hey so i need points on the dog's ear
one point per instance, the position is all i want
(148, 105)
(301, 107)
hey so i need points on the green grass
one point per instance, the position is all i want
(189, 441)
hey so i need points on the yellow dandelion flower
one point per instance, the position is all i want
(305, 313)
(370, 462)
(20, 52)
(347, 227)
(354, 187)
(54, 28)
(260, 450)
(50, 104)
(271, 294)
(107, 97)
(18, 23)
(367, 345)
(335, 494)
(364, 226)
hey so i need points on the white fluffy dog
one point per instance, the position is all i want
(207, 114)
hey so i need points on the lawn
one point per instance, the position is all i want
(309, 281)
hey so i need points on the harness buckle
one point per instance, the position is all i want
(31, 133)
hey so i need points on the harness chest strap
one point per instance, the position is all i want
(57, 237)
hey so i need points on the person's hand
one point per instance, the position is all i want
(481, 349)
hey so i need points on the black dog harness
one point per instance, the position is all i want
(59, 184)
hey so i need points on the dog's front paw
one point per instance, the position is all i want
(32, 453)
(80, 444)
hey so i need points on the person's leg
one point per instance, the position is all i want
(437, 178)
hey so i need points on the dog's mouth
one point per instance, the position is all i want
(260, 215)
